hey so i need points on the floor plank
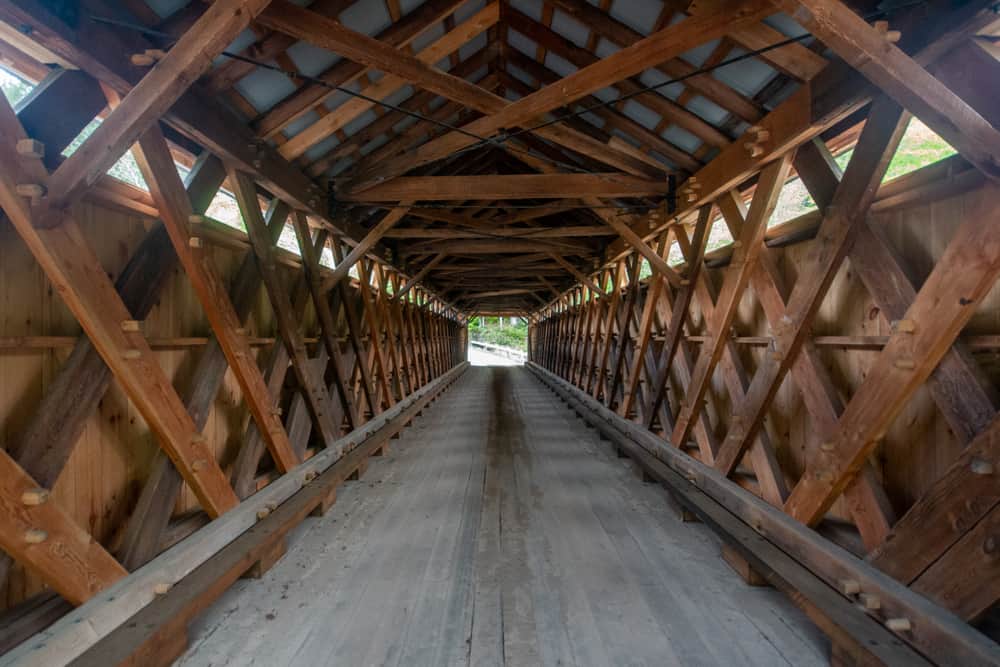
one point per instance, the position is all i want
(500, 530)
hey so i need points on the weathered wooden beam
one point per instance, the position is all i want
(961, 278)
(624, 36)
(55, 110)
(940, 636)
(678, 318)
(72, 636)
(288, 323)
(399, 35)
(379, 366)
(966, 578)
(618, 223)
(75, 271)
(419, 275)
(328, 326)
(157, 166)
(848, 209)
(656, 48)
(341, 269)
(148, 523)
(350, 301)
(507, 186)
(103, 52)
(360, 48)
(43, 537)
(872, 53)
(737, 276)
(190, 56)
(576, 273)
(45, 444)
(387, 85)
(581, 58)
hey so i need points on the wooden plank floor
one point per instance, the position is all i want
(500, 530)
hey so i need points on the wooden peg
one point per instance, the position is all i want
(141, 60)
(34, 497)
(147, 58)
(827, 446)
(131, 326)
(132, 354)
(263, 513)
(850, 587)
(35, 536)
(195, 219)
(891, 36)
(904, 326)
(691, 197)
(198, 465)
(162, 588)
(194, 242)
(32, 190)
(899, 624)
(904, 364)
(755, 150)
(737, 243)
(30, 148)
(870, 602)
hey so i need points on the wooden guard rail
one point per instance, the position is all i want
(143, 617)
(819, 576)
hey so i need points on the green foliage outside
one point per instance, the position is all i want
(500, 331)
(14, 88)
(919, 147)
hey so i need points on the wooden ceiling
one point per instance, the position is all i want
(495, 218)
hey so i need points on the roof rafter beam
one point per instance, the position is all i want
(658, 47)
(508, 186)
(360, 48)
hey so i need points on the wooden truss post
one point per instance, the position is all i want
(378, 363)
(285, 316)
(71, 265)
(737, 276)
(962, 277)
(849, 207)
(680, 312)
(149, 521)
(157, 166)
(45, 445)
(328, 326)
(355, 334)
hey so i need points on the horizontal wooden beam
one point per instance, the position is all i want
(516, 186)
(569, 231)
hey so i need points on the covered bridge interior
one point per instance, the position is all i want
(756, 243)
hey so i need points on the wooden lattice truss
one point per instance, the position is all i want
(421, 270)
